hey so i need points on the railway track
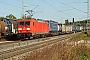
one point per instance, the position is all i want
(5, 54)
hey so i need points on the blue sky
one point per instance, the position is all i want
(57, 10)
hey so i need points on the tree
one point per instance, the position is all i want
(66, 22)
(1, 18)
(11, 16)
(26, 16)
(23, 17)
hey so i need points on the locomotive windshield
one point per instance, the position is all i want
(25, 23)
(22, 23)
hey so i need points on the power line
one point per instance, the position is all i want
(54, 7)
(31, 12)
(35, 8)
(76, 2)
(8, 9)
(74, 8)
(27, 3)
(43, 9)
(65, 10)
(10, 4)
(47, 11)
(50, 5)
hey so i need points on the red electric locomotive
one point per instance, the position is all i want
(32, 28)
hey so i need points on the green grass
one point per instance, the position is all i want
(83, 52)
(82, 36)
(63, 51)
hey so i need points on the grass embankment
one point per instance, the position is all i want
(63, 51)
(83, 36)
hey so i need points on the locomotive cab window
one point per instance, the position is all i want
(22, 23)
(27, 23)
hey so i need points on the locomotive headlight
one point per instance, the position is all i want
(28, 28)
(19, 28)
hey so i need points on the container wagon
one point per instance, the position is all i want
(74, 30)
(78, 28)
(63, 29)
(53, 28)
(81, 28)
(60, 29)
(68, 29)
(87, 27)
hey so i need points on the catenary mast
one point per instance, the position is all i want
(88, 17)
(22, 9)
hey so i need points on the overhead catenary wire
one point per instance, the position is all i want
(48, 12)
(50, 5)
(76, 2)
(65, 10)
(34, 8)
(12, 6)
(40, 11)
(74, 8)
(27, 3)
(9, 9)
(9, 4)
(55, 8)
(66, 4)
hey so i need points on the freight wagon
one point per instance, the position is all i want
(32, 28)
(81, 28)
(63, 29)
(87, 28)
(14, 26)
(84, 27)
(35, 28)
(53, 28)
(59, 28)
(68, 29)
(11, 29)
(78, 28)
(3, 29)
(74, 28)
